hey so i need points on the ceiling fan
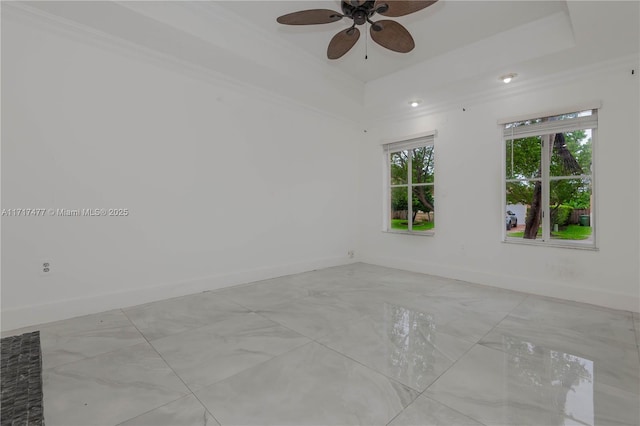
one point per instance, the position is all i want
(386, 33)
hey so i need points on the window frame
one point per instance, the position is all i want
(545, 132)
(411, 142)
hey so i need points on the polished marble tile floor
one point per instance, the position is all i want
(350, 345)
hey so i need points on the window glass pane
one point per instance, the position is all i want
(567, 116)
(570, 115)
(523, 158)
(548, 188)
(422, 164)
(398, 166)
(399, 208)
(526, 195)
(523, 123)
(571, 153)
(423, 208)
(570, 210)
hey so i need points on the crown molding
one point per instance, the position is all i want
(25, 13)
(281, 45)
(522, 87)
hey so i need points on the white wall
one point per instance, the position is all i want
(226, 185)
(469, 173)
(223, 186)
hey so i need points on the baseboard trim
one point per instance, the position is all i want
(521, 284)
(24, 316)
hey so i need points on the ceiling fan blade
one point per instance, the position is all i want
(392, 35)
(342, 42)
(356, 3)
(395, 8)
(310, 17)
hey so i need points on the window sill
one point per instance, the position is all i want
(540, 243)
(419, 234)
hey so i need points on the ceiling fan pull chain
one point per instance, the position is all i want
(387, 33)
(366, 45)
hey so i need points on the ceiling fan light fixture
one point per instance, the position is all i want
(414, 103)
(507, 78)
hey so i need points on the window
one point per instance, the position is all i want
(549, 179)
(410, 186)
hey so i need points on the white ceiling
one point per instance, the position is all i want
(442, 27)
(461, 46)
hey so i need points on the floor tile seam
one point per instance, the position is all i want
(293, 299)
(212, 292)
(524, 299)
(599, 382)
(272, 357)
(163, 405)
(516, 306)
(149, 340)
(217, 381)
(48, 325)
(369, 317)
(419, 292)
(176, 374)
(503, 353)
(164, 360)
(52, 369)
(457, 411)
(471, 309)
(577, 304)
(421, 393)
(378, 372)
(48, 369)
(137, 307)
(259, 313)
(402, 411)
(353, 309)
(622, 314)
(484, 287)
(370, 368)
(312, 339)
(204, 388)
(465, 353)
(608, 342)
(436, 347)
(257, 282)
(229, 299)
(605, 339)
(200, 327)
(464, 339)
(441, 403)
(636, 332)
(167, 299)
(552, 299)
(438, 378)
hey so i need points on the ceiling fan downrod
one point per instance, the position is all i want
(387, 33)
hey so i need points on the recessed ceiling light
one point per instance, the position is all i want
(415, 102)
(508, 77)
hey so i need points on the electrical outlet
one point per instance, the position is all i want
(351, 253)
(46, 268)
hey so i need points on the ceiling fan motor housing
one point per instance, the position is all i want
(387, 33)
(361, 12)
